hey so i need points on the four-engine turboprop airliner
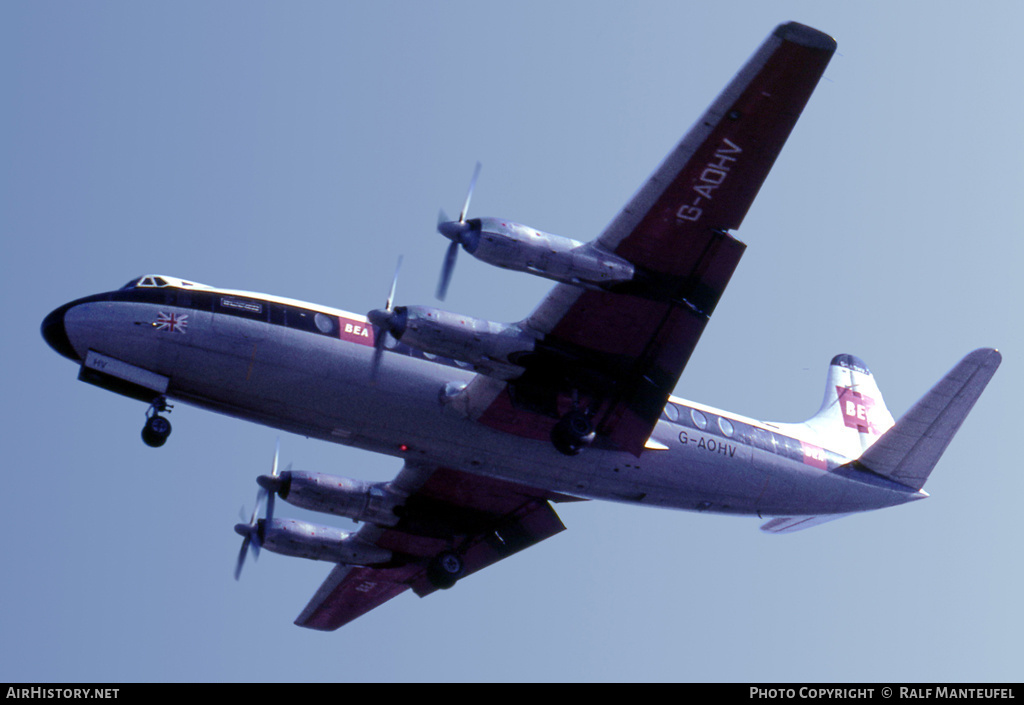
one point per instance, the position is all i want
(496, 422)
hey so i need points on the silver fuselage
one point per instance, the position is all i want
(306, 369)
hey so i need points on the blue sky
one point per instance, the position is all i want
(299, 149)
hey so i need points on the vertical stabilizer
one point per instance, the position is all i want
(853, 415)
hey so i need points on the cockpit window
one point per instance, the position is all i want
(148, 281)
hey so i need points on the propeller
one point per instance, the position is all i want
(460, 233)
(274, 475)
(274, 482)
(389, 321)
(250, 532)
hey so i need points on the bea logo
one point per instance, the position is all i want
(856, 408)
(356, 331)
(353, 329)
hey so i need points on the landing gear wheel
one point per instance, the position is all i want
(445, 570)
(157, 428)
(156, 431)
(572, 433)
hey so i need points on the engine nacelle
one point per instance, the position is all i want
(487, 346)
(522, 248)
(319, 543)
(372, 502)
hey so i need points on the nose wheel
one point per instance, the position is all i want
(157, 428)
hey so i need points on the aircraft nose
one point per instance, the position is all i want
(56, 334)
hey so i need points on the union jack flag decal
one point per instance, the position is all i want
(171, 322)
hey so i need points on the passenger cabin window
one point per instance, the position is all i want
(726, 426)
(324, 323)
(304, 320)
(301, 319)
(699, 419)
(672, 412)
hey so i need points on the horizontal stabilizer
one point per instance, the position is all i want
(909, 450)
(787, 525)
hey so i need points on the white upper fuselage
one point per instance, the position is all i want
(306, 369)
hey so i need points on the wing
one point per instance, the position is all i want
(621, 351)
(481, 520)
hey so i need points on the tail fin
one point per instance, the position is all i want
(853, 415)
(910, 449)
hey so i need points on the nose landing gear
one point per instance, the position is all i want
(157, 428)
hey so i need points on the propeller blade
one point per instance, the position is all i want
(446, 270)
(254, 526)
(275, 473)
(241, 557)
(250, 535)
(381, 323)
(250, 532)
(378, 353)
(469, 194)
(270, 498)
(389, 304)
(460, 233)
(250, 542)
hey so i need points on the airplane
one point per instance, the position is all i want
(497, 422)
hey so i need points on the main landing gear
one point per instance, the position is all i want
(157, 428)
(573, 433)
(445, 569)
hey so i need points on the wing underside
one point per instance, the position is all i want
(482, 519)
(620, 351)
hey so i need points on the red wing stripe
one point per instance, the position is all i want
(710, 180)
(348, 592)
